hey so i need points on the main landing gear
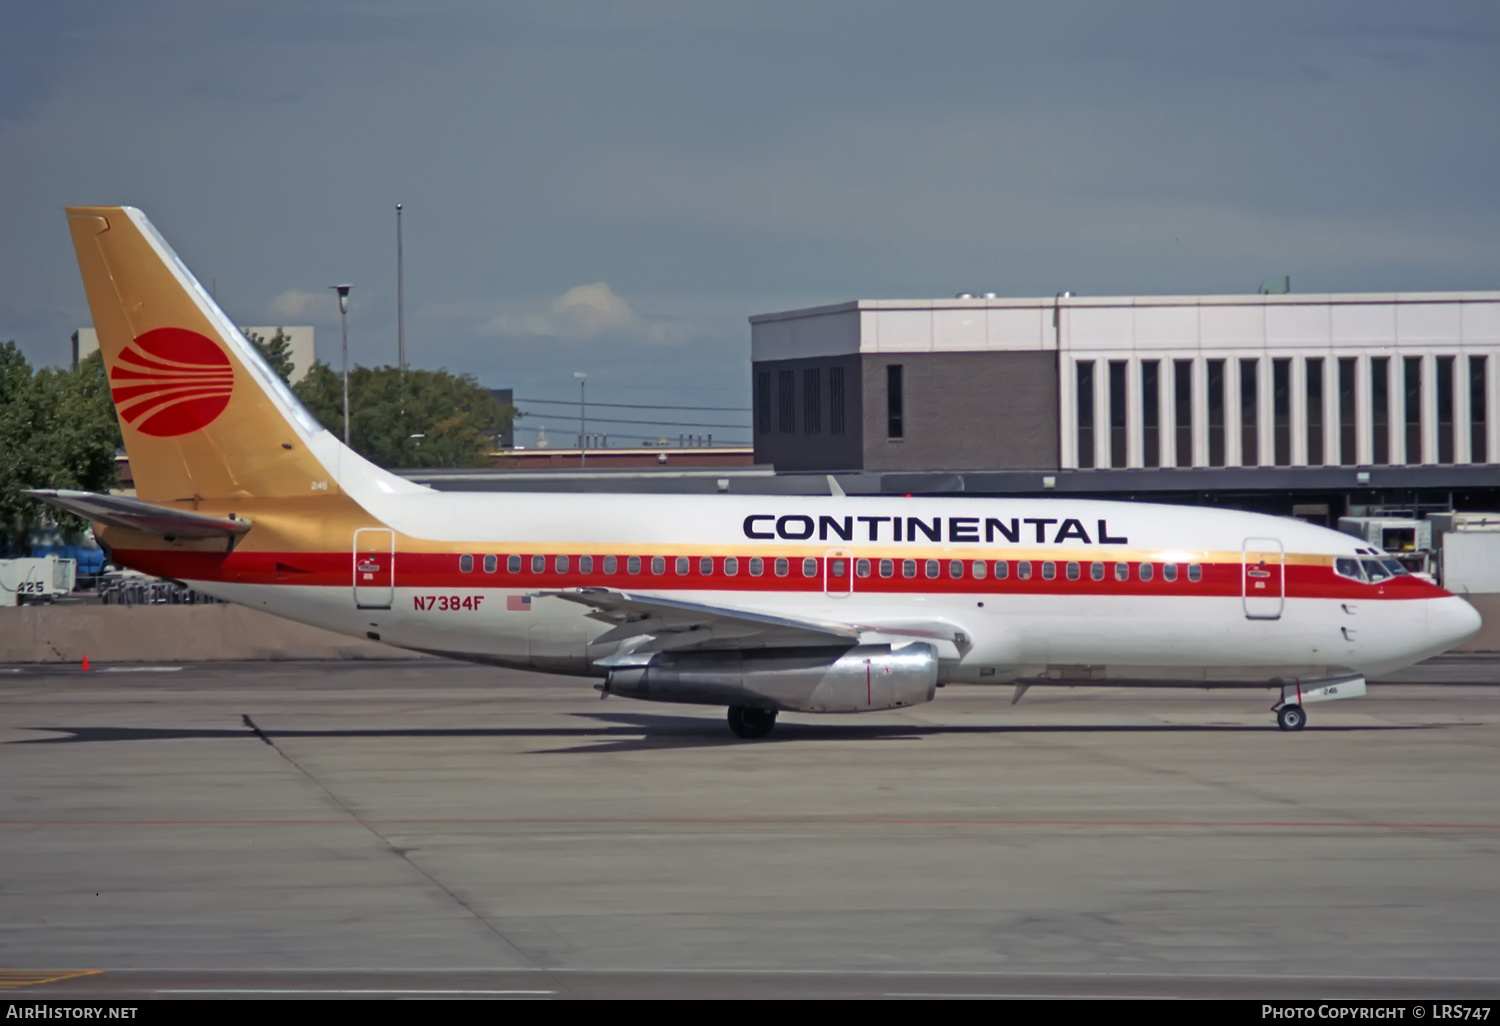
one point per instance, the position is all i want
(1291, 717)
(749, 722)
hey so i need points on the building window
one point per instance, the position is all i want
(1182, 400)
(763, 402)
(786, 402)
(1084, 372)
(1314, 368)
(1281, 411)
(1380, 410)
(1348, 454)
(1411, 407)
(1478, 424)
(1445, 409)
(1216, 413)
(835, 400)
(1151, 413)
(812, 402)
(894, 413)
(1249, 413)
(1117, 438)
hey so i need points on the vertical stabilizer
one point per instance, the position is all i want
(203, 416)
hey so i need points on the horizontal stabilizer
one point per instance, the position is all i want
(135, 515)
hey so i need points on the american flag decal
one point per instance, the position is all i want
(518, 603)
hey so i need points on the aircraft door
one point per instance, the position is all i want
(374, 568)
(1263, 578)
(838, 573)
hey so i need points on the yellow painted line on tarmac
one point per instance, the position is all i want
(13, 979)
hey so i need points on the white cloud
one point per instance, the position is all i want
(294, 304)
(582, 312)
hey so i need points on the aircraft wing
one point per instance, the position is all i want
(665, 624)
(135, 515)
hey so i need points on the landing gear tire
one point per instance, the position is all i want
(751, 723)
(1291, 717)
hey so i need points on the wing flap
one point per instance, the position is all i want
(678, 624)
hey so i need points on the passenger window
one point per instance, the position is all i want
(706, 566)
(955, 568)
(538, 564)
(1146, 571)
(490, 564)
(1348, 568)
(465, 564)
(1169, 572)
(1002, 569)
(757, 566)
(809, 568)
(932, 568)
(1049, 570)
(838, 568)
(1195, 572)
(682, 565)
(1122, 571)
(585, 564)
(862, 567)
(908, 568)
(1023, 569)
(731, 566)
(658, 564)
(887, 568)
(562, 564)
(633, 565)
(782, 566)
(513, 564)
(611, 564)
(1072, 571)
(1375, 570)
(980, 569)
(1096, 571)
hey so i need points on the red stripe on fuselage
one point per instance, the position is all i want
(440, 571)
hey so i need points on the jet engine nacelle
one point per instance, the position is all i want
(798, 680)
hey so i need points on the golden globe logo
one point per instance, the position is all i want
(171, 381)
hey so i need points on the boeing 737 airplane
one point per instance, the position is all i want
(759, 604)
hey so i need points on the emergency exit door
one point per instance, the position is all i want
(1263, 578)
(374, 568)
(838, 573)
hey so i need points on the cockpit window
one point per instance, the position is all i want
(1346, 567)
(1394, 566)
(1375, 570)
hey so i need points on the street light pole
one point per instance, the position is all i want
(343, 291)
(400, 300)
(583, 419)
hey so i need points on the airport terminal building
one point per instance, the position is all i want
(1292, 394)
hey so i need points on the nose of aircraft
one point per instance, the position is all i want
(1451, 620)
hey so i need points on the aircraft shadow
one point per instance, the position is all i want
(627, 731)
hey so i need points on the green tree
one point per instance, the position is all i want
(277, 351)
(58, 429)
(426, 419)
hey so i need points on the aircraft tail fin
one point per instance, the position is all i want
(203, 416)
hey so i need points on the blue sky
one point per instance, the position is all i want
(616, 187)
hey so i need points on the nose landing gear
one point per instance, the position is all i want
(1291, 717)
(751, 723)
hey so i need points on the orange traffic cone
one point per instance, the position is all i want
(85, 662)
